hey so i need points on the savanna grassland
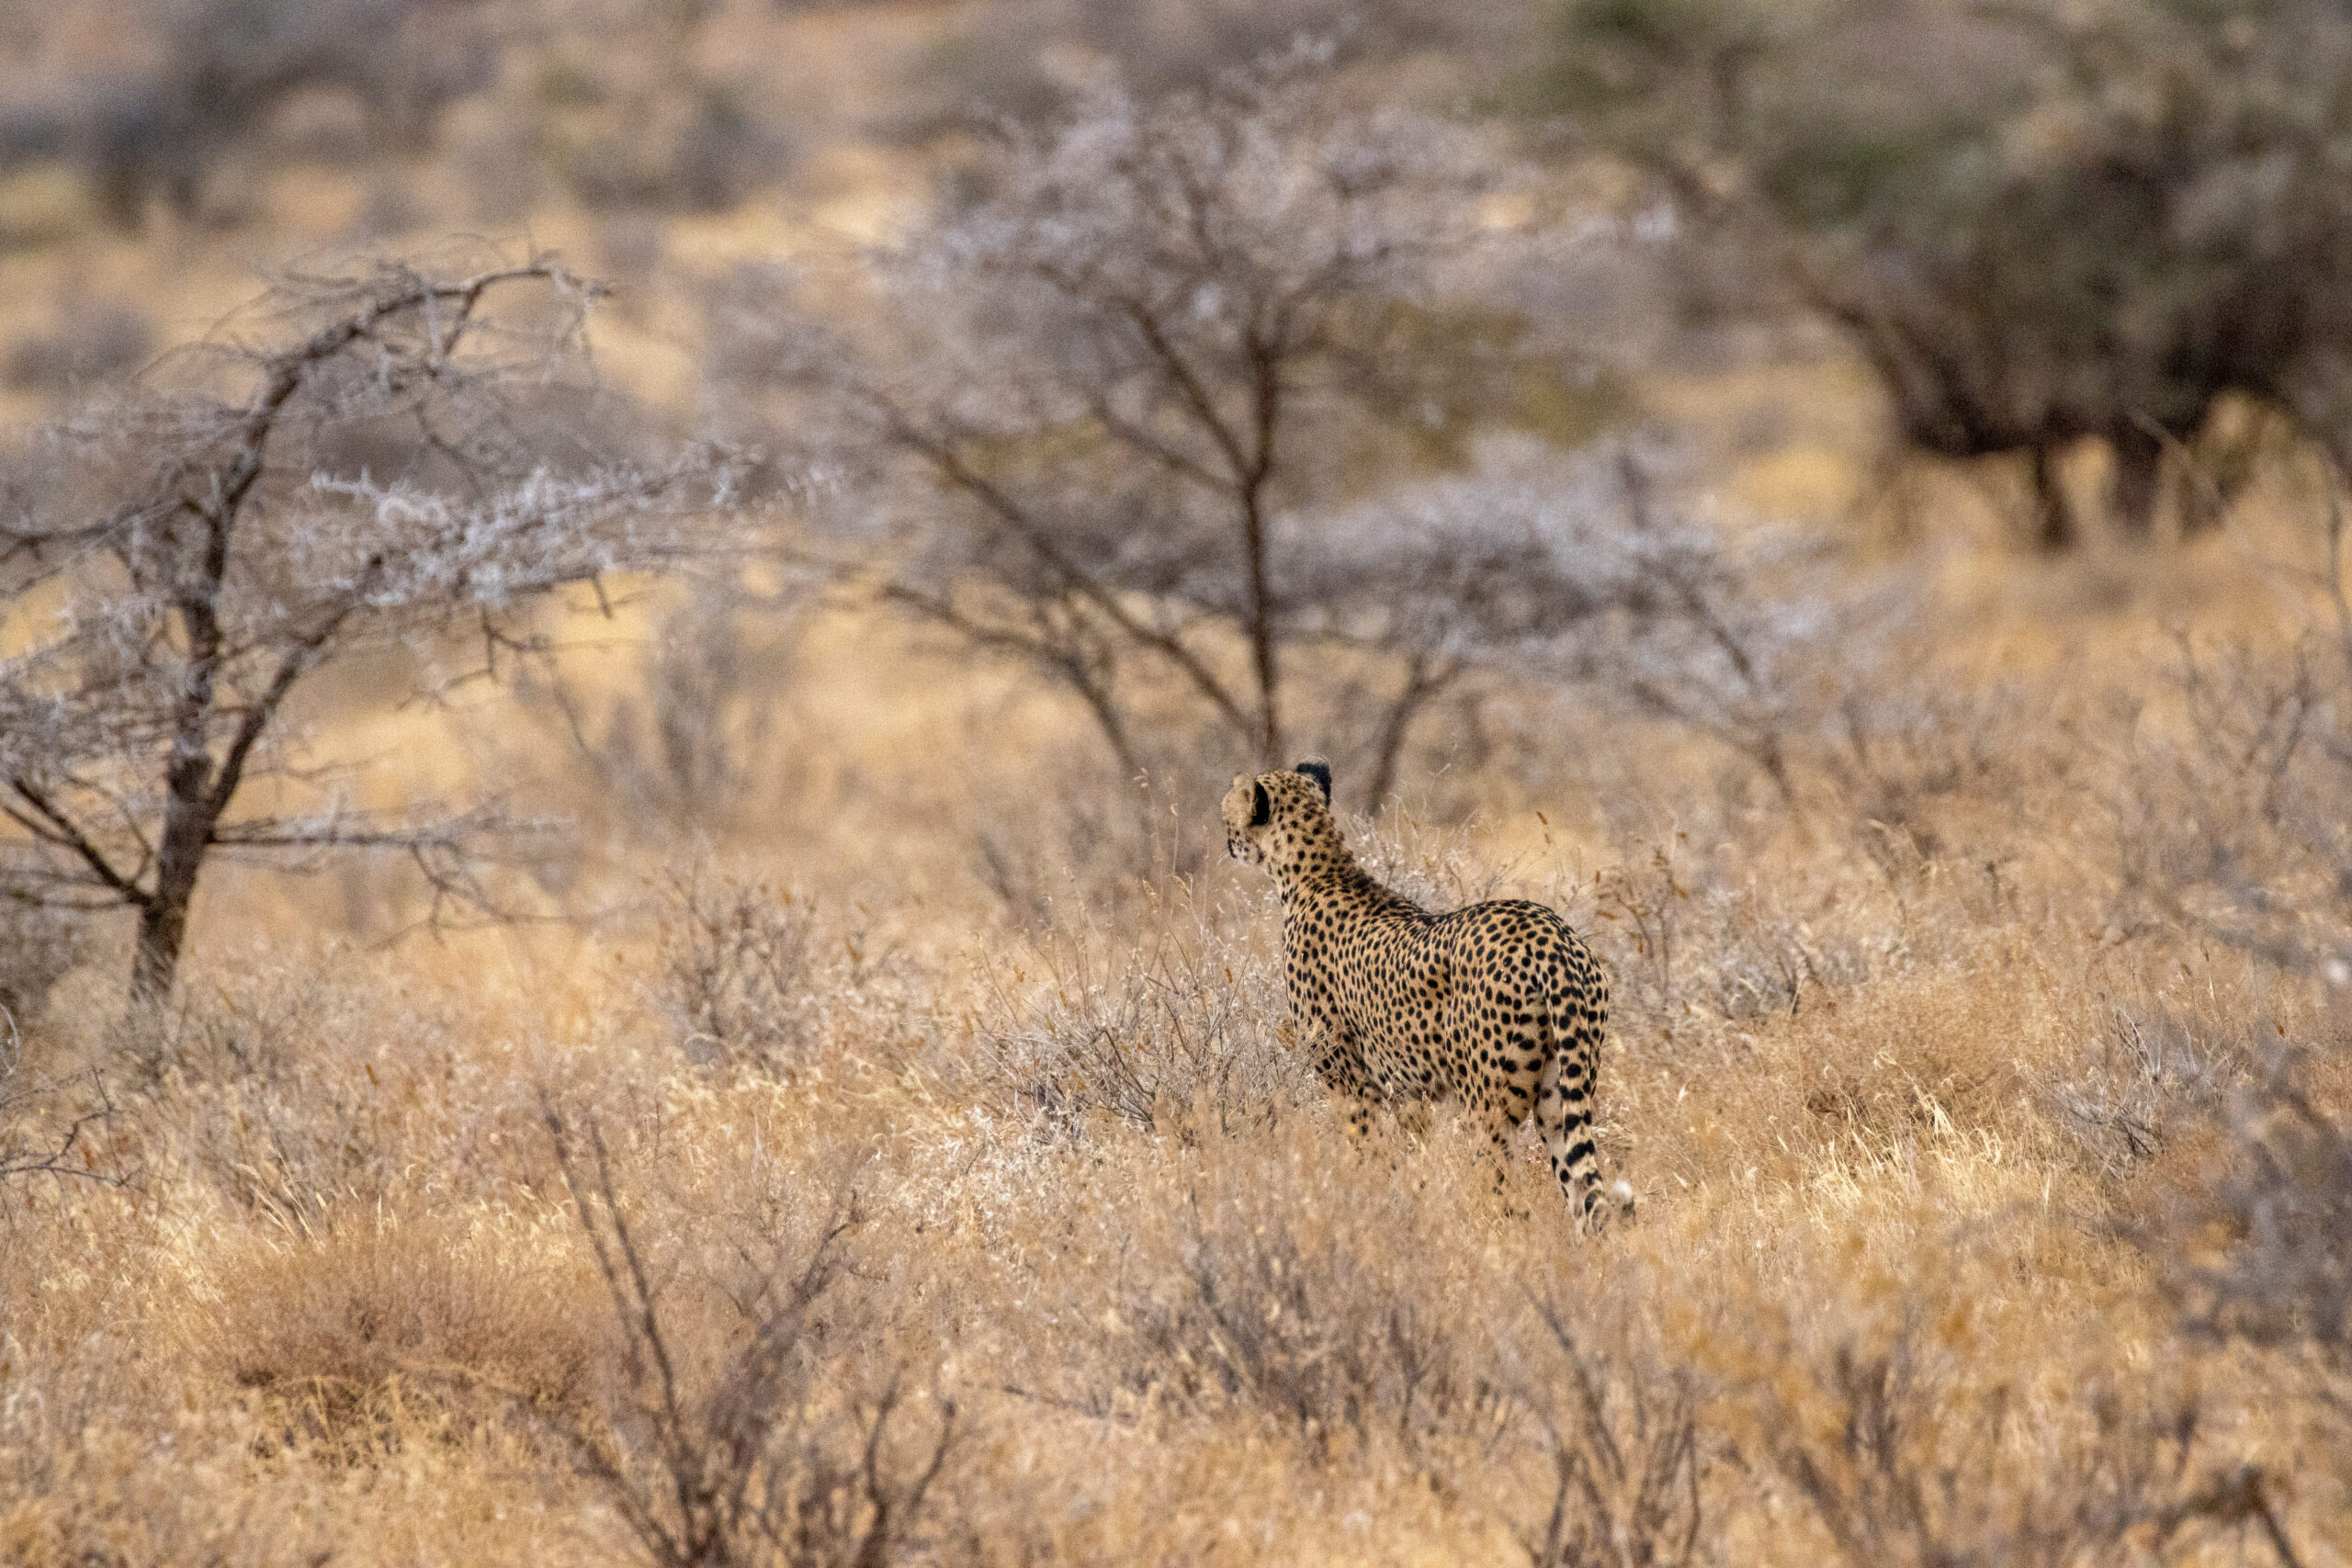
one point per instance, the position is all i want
(871, 1136)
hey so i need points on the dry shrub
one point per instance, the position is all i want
(1091, 840)
(1308, 1330)
(2147, 1065)
(1260, 1282)
(287, 1092)
(1623, 1427)
(1432, 862)
(347, 1317)
(740, 1444)
(1692, 932)
(51, 1131)
(2264, 1253)
(1162, 1027)
(36, 948)
(1908, 1448)
(688, 745)
(1923, 764)
(2229, 816)
(739, 975)
(55, 1132)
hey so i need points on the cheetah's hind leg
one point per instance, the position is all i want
(1511, 1108)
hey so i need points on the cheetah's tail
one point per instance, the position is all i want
(1564, 1103)
(1564, 1117)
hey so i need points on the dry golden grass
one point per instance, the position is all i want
(350, 1308)
(1901, 1123)
(1925, 1097)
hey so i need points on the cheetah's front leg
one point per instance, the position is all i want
(1339, 1062)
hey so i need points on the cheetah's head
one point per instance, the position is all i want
(1275, 820)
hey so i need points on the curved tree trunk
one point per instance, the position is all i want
(163, 929)
(188, 821)
(2136, 485)
(2055, 528)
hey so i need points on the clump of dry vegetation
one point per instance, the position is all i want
(868, 1134)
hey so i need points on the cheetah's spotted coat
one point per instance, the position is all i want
(1499, 1004)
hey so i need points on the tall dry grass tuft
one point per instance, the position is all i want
(358, 1316)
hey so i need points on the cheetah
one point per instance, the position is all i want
(1499, 1004)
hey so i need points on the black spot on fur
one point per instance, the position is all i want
(1320, 772)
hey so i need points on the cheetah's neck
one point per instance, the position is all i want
(1342, 884)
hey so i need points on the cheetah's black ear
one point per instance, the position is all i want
(1261, 806)
(1320, 771)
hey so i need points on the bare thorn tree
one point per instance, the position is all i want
(388, 464)
(1119, 374)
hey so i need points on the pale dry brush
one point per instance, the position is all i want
(268, 1093)
(290, 1093)
(1163, 1029)
(2232, 781)
(1161, 327)
(52, 1130)
(1599, 569)
(693, 743)
(1699, 935)
(1436, 864)
(1107, 844)
(2121, 1101)
(1256, 1283)
(1488, 577)
(740, 977)
(38, 945)
(1716, 634)
(1302, 1325)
